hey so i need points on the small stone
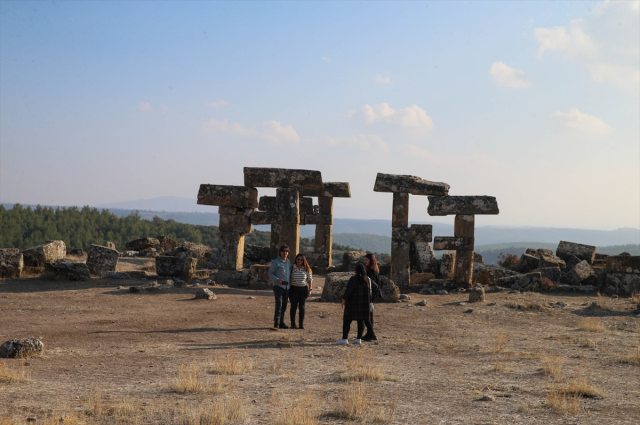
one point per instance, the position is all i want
(491, 304)
(405, 297)
(614, 296)
(561, 304)
(21, 348)
(476, 295)
(422, 303)
(206, 294)
(252, 298)
(469, 311)
(135, 289)
(488, 397)
(442, 292)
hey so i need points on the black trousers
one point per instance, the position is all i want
(346, 326)
(297, 296)
(282, 296)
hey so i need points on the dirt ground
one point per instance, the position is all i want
(107, 344)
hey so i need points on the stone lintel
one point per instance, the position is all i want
(264, 217)
(318, 219)
(409, 184)
(330, 190)
(228, 196)
(227, 210)
(467, 205)
(235, 223)
(267, 203)
(282, 177)
(447, 243)
(623, 264)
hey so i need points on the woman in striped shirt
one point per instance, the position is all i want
(301, 281)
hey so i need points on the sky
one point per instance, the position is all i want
(536, 103)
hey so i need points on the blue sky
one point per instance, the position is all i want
(536, 103)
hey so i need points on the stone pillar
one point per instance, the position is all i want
(464, 227)
(230, 251)
(324, 235)
(288, 207)
(400, 245)
(275, 240)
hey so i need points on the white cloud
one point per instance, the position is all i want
(365, 143)
(583, 123)
(270, 131)
(382, 80)
(145, 107)
(412, 118)
(606, 43)
(326, 59)
(218, 103)
(506, 76)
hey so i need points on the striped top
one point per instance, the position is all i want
(300, 277)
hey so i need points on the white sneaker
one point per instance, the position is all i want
(342, 342)
(357, 341)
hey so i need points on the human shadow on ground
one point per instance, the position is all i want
(264, 343)
(181, 331)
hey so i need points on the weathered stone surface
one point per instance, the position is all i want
(400, 259)
(228, 196)
(409, 184)
(476, 295)
(115, 275)
(477, 258)
(318, 219)
(274, 240)
(230, 250)
(576, 275)
(149, 252)
(523, 282)
(317, 259)
(267, 203)
(329, 189)
(190, 250)
(266, 217)
(143, 243)
(205, 294)
(424, 257)
(11, 263)
(78, 252)
(110, 245)
(255, 253)
(235, 223)
(552, 273)
(102, 259)
(446, 264)
(37, 256)
(324, 241)
(528, 262)
(623, 264)
(400, 210)
(447, 243)
(166, 243)
(350, 259)
(336, 283)
(420, 233)
(491, 274)
(228, 210)
(290, 235)
(282, 177)
(622, 283)
(21, 348)
(551, 261)
(306, 205)
(464, 227)
(259, 276)
(462, 205)
(184, 268)
(421, 279)
(584, 252)
(68, 271)
(287, 201)
(233, 277)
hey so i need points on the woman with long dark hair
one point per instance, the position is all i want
(373, 272)
(301, 281)
(356, 302)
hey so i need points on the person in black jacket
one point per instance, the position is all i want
(373, 272)
(355, 301)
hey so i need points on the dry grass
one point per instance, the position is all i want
(301, 410)
(14, 371)
(548, 284)
(591, 324)
(635, 297)
(221, 412)
(149, 266)
(501, 342)
(632, 359)
(583, 388)
(588, 343)
(121, 408)
(276, 366)
(352, 403)
(506, 260)
(526, 306)
(362, 366)
(562, 403)
(190, 380)
(231, 364)
(552, 365)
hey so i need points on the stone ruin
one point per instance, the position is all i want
(292, 206)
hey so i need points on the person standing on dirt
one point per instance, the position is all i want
(280, 272)
(373, 272)
(301, 281)
(356, 302)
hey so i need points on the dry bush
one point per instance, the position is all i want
(552, 365)
(353, 403)
(361, 366)
(221, 412)
(14, 371)
(149, 266)
(583, 388)
(506, 260)
(591, 324)
(63, 419)
(276, 366)
(635, 297)
(501, 341)
(562, 403)
(190, 380)
(633, 358)
(301, 410)
(588, 343)
(548, 284)
(231, 365)
(526, 306)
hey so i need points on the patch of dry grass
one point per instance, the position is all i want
(301, 410)
(190, 380)
(276, 366)
(223, 411)
(562, 403)
(362, 366)
(353, 404)
(635, 297)
(149, 266)
(583, 388)
(231, 364)
(121, 408)
(591, 324)
(588, 343)
(552, 365)
(533, 306)
(501, 341)
(632, 359)
(548, 284)
(14, 371)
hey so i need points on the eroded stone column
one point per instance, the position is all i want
(288, 208)
(464, 227)
(400, 244)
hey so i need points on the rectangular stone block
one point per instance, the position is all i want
(11, 263)
(330, 190)
(400, 261)
(230, 251)
(287, 201)
(397, 183)
(622, 284)
(324, 240)
(421, 233)
(264, 217)
(228, 196)
(227, 210)
(523, 282)
(464, 226)
(235, 223)
(49, 252)
(317, 259)
(142, 243)
(623, 264)
(290, 235)
(274, 240)
(325, 205)
(267, 203)
(318, 219)
(400, 211)
(166, 243)
(184, 268)
(465, 205)
(282, 177)
(102, 259)
(306, 206)
(584, 252)
(447, 243)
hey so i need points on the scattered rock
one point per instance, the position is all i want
(576, 275)
(143, 243)
(176, 266)
(350, 259)
(476, 295)
(488, 397)
(21, 348)
(114, 275)
(102, 259)
(424, 303)
(442, 292)
(135, 289)
(469, 310)
(584, 252)
(11, 263)
(336, 283)
(49, 252)
(166, 243)
(405, 297)
(524, 282)
(68, 271)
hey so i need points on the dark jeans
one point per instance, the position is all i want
(298, 295)
(346, 325)
(282, 295)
